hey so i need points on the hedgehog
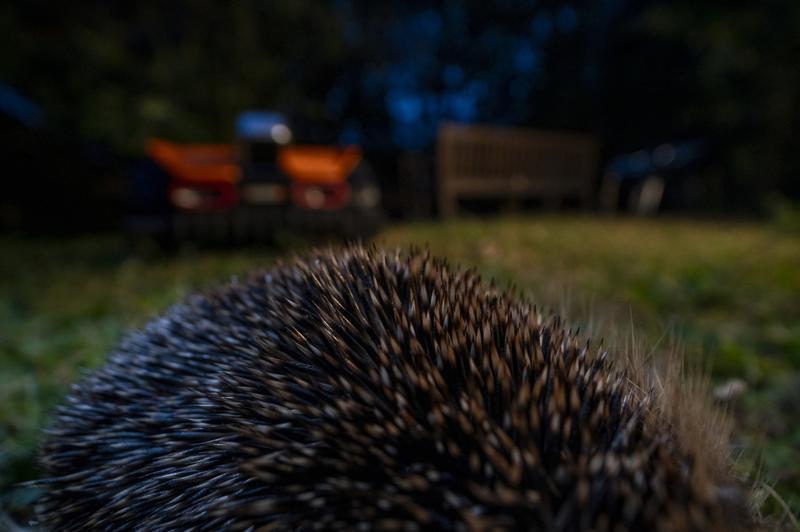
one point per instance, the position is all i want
(360, 389)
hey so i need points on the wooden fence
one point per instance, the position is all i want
(512, 165)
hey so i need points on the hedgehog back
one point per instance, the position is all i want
(361, 389)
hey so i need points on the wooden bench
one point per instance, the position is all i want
(513, 164)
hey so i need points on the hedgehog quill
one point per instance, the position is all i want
(360, 389)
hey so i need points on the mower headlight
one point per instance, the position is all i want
(368, 197)
(281, 134)
(314, 198)
(186, 198)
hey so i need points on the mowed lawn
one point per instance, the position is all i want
(726, 294)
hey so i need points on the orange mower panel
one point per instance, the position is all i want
(318, 164)
(196, 163)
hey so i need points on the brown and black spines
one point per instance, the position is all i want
(364, 390)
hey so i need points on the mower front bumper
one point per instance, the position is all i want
(258, 223)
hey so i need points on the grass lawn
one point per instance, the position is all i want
(727, 293)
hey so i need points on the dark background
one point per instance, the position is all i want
(83, 84)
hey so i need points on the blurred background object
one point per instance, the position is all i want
(251, 189)
(692, 105)
(513, 165)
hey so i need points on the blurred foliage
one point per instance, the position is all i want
(728, 294)
(745, 74)
(636, 72)
(785, 214)
(123, 71)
